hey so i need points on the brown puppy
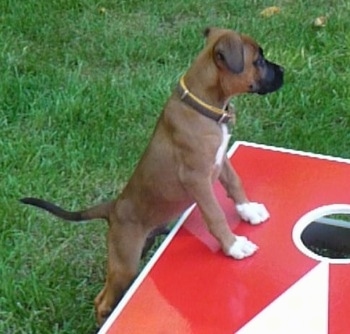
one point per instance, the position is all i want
(184, 157)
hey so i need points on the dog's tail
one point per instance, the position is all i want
(99, 211)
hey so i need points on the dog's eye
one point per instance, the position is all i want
(259, 62)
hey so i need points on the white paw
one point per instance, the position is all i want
(255, 213)
(242, 248)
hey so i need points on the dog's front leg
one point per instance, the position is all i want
(232, 245)
(255, 213)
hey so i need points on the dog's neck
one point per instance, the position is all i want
(220, 115)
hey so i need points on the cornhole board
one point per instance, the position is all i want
(191, 287)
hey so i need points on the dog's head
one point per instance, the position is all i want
(240, 63)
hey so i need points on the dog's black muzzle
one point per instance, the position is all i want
(271, 80)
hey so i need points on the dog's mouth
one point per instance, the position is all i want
(272, 81)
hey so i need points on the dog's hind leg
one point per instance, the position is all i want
(125, 243)
(151, 238)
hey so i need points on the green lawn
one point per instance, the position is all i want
(82, 84)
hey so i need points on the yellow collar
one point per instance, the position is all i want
(219, 115)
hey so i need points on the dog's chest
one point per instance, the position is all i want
(223, 147)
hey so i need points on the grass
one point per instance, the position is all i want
(326, 252)
(82, 84)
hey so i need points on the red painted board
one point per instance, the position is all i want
(191, 287)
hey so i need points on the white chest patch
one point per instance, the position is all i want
(223, 147)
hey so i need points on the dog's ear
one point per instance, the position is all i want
(206, 31)
(211, 31)
(229, 54)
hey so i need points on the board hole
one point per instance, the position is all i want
(324, 234)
